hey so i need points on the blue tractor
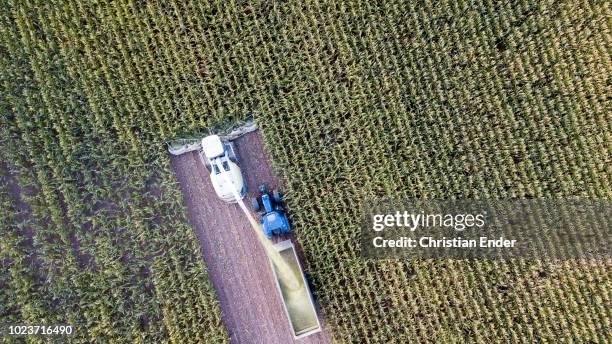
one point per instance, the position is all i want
(273, 217)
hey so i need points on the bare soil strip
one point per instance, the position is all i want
(237, 265)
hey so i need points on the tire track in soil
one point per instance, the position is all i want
(237, 264)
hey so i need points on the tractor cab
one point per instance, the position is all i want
(273, 218)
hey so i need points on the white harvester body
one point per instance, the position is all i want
(225, 174)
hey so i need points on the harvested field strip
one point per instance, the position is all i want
(238, 266)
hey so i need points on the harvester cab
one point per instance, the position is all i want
(273, 217)
(225, 174)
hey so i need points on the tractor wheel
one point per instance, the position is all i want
(255, 204)
(276, 197)
(268, 233)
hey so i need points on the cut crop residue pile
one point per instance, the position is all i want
(298, 300)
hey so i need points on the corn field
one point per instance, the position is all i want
(356, 100)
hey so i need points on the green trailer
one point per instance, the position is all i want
(297, 302)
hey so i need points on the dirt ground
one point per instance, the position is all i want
(237, 265)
